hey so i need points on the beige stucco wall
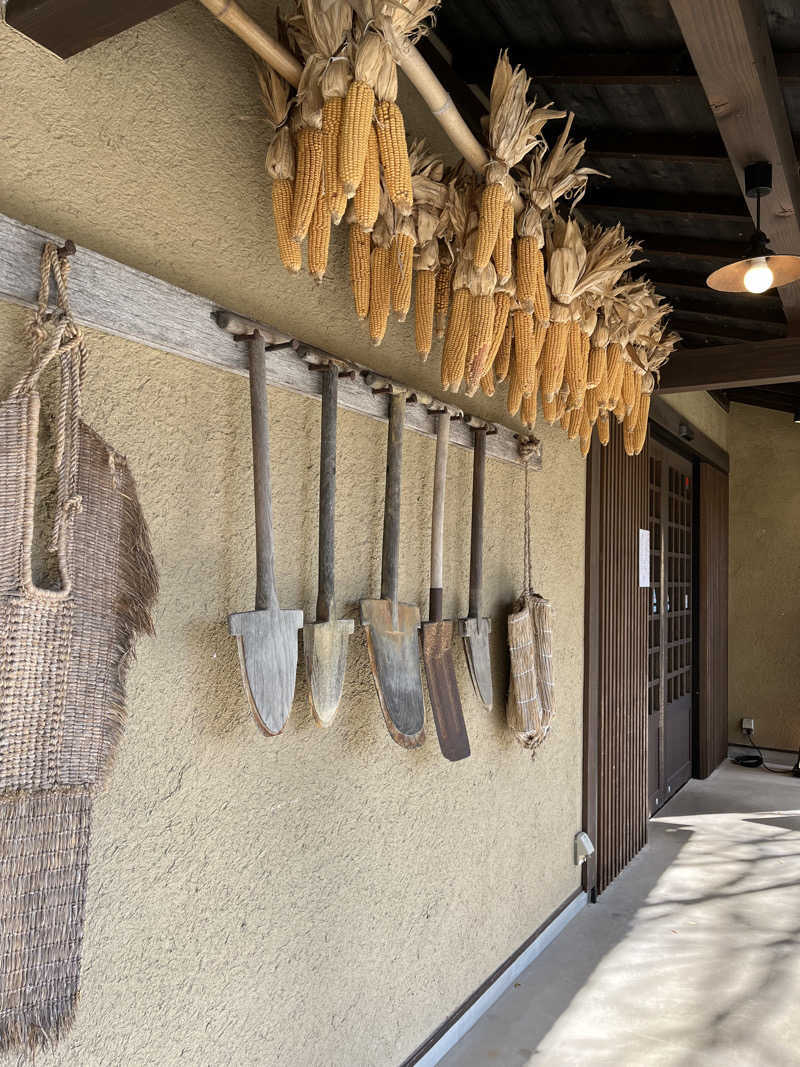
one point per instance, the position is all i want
(320, 898)
(765, 576)
(706, 414)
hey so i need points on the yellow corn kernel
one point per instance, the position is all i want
(493, 200)
(308, 179)
(331, 126)
(615, 369)
(603, 428)
(319, 239)
(530, 268)
(598, 374)
(394, 155)
(424, 293)
(591, 406)
(402, 260)
(481, 323)
(360, 269)
(529, 406)
(554, 355)
(629, 396)
(456, 340)
(367, 201)
(357, 114)
(289, 250)
(487, 382)
(640, 435)
(514, 398)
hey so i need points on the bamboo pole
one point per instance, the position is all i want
(416, 70)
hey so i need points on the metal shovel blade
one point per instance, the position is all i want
(394, 655)
(325, 651)
(437, 652)
(476, 645)
(267, 642)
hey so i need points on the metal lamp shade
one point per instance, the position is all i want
(730, 278)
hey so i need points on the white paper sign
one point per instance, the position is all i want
(644, 559)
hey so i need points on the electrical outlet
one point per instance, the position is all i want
(748, 726)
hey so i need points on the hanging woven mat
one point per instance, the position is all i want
(531, 690)
(64, 655)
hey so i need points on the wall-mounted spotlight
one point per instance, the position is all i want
(760, 269)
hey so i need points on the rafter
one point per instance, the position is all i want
(732, 366)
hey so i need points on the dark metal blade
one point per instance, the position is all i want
(394, 655)
(437, 651)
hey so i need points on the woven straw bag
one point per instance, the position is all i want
(531, 689)
(64, 654)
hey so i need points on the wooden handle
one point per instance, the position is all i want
(327, 492)
(391, 508)
(476, 546)
(437, 520)
(266, 593)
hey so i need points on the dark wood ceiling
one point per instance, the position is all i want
(622, 66)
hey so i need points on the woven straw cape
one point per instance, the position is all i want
(531, 688)
(64, 654)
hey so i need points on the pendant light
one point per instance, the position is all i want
(760, 269)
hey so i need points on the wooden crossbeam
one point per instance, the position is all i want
(729, 44)
(732, 366)
(645, 202)
(689, 247)
(700, 323)
(67, 27)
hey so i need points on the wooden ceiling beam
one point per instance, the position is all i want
(689, 247)
(727, 208)
(704, 325)
(730, 47)
(673, 69)
(66, 27)
(732, 366)
(767, 397)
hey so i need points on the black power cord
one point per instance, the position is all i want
(758, 760)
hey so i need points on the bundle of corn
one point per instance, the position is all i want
(430, 197)
(553, 173)
(358, 111)
(463, 223)
(325, 26)
(280, 162)
(381, 272)
(515, 128)
(566, 256)
(653, 358)
(609, 253)
(450, 221)
(307, 123)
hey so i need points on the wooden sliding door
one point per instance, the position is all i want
(615, 793)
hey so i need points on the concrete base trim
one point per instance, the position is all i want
(780, 756)
(465, 1017)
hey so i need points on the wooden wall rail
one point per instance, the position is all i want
(110, 296)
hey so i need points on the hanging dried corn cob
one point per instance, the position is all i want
(514, 397)
(504, 299)
(380, 275)
(430, 197)
(360, 247)
(308, 141)
(280, 162)
(367, 199)
(404, 239)
(528, 342)
(481, 325)
(319, 239)
(502, 360)
(441, 299)
(502, 256)
(515, 128)
(463, 222)
(487, 382)
(603, 428)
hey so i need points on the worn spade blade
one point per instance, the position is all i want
(325, 651)
(476, 645)
(394, 655)
(437, 652)
(267, 643)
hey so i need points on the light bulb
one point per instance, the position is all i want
(758, 277)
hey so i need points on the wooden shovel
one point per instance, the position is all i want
(437, 635)
(325, 641)
(392, 627)
(267, 637)
(475, 629)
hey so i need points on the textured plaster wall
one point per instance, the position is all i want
(764, 575)
(320, 898)
(705, 413)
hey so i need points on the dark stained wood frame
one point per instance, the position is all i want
(732, 366)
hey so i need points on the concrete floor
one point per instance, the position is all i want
(690, 959)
